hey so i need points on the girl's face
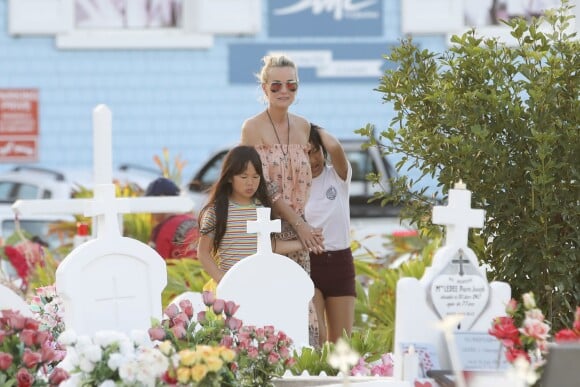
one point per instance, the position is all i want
(316, 161)
(245, 185)
(281, 87)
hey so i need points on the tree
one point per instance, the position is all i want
(505, 120)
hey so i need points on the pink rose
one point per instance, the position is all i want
(504, 329)
(535, 328)
(5, 360)
(48, 354)
(511, 307)
(31, 359)
(28, 337)
(30, 323)
(58, 376)
(24, 378)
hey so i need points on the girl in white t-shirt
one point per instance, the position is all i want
(332, 271)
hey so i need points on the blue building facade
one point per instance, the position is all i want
(193, 101)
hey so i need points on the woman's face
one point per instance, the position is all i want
(281, 86)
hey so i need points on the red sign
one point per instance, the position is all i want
(18, 125)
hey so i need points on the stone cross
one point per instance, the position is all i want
(104, 205)
(458, 216)
(264, 226)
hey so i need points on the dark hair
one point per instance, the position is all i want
(315, 140)
(235, 163)
(162, 186)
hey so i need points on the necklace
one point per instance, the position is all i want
(278, 138)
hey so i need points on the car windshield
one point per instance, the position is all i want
(11, 191)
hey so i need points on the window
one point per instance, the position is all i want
(142, 24)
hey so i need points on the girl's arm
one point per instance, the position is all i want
(310, 237)
(336, 152)
(285, 247)
(204, 255)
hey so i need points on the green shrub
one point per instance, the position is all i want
(505, 120)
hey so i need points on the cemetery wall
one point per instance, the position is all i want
(180, 99)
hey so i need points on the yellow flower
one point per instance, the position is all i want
(213, 363)
(204, 351)
(166, 347)
(198, 372)
(188, 357)
(183, 375)
(227, 354)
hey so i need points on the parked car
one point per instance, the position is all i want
(362, 161)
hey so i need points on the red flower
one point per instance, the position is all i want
(512, 354)
(566, 336)
(24, 378)
(504, 329)
(31, 359)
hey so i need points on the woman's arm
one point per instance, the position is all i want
(336, 152)
(204, 255)
(310, 237)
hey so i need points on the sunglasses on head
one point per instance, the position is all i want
(291, 86)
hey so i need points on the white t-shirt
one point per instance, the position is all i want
(328, 207)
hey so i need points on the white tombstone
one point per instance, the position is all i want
(454, 287)
(110, 282)
(270, 288)
(10, 300)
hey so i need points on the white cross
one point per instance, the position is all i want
(264, 226)
(458, 216)
(104, 205)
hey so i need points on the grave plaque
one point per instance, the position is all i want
(461, 289)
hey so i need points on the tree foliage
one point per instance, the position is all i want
(505, 120)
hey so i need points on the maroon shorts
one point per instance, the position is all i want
(333, 273)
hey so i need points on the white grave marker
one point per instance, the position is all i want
(454, 287)
(270, 288)
(111, 282)
(10, 300)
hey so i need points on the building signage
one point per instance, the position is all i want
(18, 125)
(325, 18)
(352, 62)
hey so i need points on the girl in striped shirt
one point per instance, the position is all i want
(233, 200)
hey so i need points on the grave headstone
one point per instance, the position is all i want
(454, 288)
(270, 288)
(10, 300)
(110, 282)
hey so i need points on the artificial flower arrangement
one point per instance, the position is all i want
(524, 333)
(260, 353)
(48, 308)
(28, 355)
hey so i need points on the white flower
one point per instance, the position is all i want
(86, 365)
(73, 381)
(141, 338)
(115, 361)
(106, 338)
(107, 383)
(343, 357)
(92, 352)
(128, 371)
(529, 301)
(126, 347)
(71, 360)
(67, 338)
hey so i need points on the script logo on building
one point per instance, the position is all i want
(325, 18)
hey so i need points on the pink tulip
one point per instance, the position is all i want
(227, 341)
(181, 319)
(31, 359)
(179, 331)
(284, 352)
(201, 317)
(171, 311)
(156, 333)
(5, 360)
(208, 298)
(186, 307)
(230, 308)
(233, 323)
(218, 306)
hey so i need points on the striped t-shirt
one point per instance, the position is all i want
(236, 243)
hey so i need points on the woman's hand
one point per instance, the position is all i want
(310, 237)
